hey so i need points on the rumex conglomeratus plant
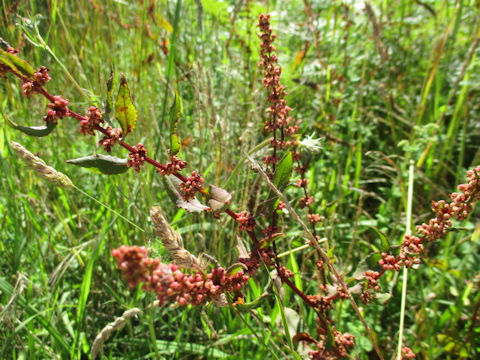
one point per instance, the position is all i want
(186, 280)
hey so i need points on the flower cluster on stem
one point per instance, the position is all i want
(170, 283)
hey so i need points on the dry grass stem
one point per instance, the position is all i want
(116, 325)
(41, 168)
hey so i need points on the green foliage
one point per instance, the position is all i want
(125, 111)
(373, 115)
(103, 164)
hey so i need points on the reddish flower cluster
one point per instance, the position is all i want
(137, 157)
(246, 221)
(111, 138)
(305, 201)
(343, 343)
(301, 183)
(174, 166)
(94, 119)
(190, 187)
(407, 353)
(41, 77)
(57, 109)
(278, 110)
(459, 208)
(314, 218)
(169, 283)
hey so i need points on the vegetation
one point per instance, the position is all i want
(385, 98)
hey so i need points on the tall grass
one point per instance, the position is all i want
(379, 87)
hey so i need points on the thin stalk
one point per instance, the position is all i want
(408, 231)
(108, 208)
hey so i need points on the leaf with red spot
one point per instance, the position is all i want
(125, 111)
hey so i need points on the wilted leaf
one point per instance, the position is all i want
(382, 297)
(16, 64)
(172, 186)
(125, 111)
(220, 197)
(104, 164)
(37, 131)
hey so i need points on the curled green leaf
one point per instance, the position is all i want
(37, 131)
(103, 164)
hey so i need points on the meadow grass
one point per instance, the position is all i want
(379, 87)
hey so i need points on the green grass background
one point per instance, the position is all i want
(377, 90)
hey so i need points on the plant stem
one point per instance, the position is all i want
(408, 231)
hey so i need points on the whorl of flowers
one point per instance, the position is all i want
(170, 283)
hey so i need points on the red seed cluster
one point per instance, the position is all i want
(246, 221)
(56, 109)
(279, 117)
(94, 119)
(174, 166)
(137, 157)
(111, 138)
(305, 201)
(407, 353)
(191, 186)
(343, 343)
(41, 77)
(170, 283)
(314, 218)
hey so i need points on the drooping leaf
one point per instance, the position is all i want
(283, 172)
(192, 205)
(16, 64)
(125, 111)
(104, 164)
(109, 99)
(37, 131)
(175, 115)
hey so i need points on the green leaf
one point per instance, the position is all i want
(283, 172)
(175, 115)
(109, 99)
(385, 245)
(125, 111)
(103, 164)
(16, 64)
(37, 131)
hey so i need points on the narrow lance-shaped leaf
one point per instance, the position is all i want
(175, 115)
(283, 172)
(109, 99)
(125, 111)
(104, 164)
(16, 64)
(37, 131)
